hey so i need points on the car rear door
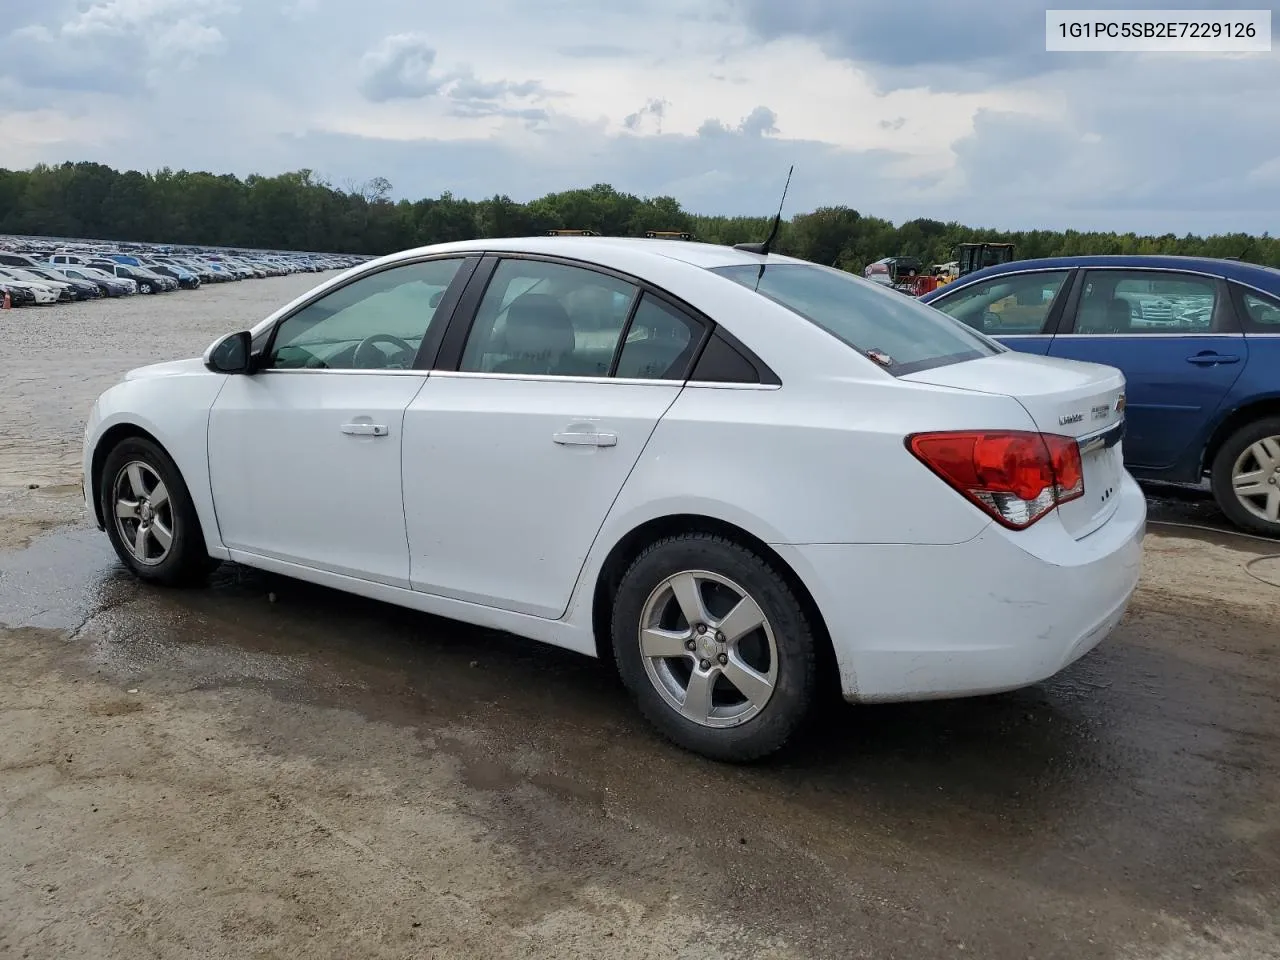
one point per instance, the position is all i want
(1174, 336)
(549, 385)
(1018, 308)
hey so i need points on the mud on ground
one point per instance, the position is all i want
(264, 768)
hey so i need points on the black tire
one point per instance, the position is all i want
(1224, 466)
(794, 687)
(146, 288)
(187, 561)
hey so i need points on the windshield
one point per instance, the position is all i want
(888, 327)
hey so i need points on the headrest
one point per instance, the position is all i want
(538, 324)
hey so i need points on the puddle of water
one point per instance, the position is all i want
(70, 581)
(61, 580)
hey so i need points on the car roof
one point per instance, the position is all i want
(1251, 274)
(606, 251)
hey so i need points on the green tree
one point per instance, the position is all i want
(296, 210)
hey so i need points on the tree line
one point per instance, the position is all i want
(300, 211)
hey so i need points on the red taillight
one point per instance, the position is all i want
(1015, 476)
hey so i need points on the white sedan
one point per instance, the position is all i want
(43, 291)
(741, 476)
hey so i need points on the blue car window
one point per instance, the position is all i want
(1262, 314)
(1146, 302)
(1017, 303)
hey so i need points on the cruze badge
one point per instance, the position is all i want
(1071, 418)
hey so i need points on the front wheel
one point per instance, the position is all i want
(149, 516)
(715, 647)
(1246, 477)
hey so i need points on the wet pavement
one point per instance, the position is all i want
(1132, 801)
(266, 768)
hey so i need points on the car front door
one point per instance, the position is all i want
(1178, 343)
(1018, 309)
(304, 454)
(517, 448)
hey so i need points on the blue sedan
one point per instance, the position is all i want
(1197, 339)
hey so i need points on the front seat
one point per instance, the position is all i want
(539, 336)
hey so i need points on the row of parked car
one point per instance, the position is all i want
(39, 273)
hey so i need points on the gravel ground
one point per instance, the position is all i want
(263, 768)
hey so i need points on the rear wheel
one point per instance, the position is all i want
(1246, 477)
(149, 516)
(714, 647)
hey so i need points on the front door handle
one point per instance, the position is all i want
(585, 439)
(1211, 359)
(365, 429)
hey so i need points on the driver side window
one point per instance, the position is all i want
(1010, 304)
(375, 323)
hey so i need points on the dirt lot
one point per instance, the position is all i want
(266, 769)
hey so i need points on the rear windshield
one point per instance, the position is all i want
(889, 327)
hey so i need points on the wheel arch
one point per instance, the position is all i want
(634, 542)
(197, 486)
(108, 441)
(1256, 409)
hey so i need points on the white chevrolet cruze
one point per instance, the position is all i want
(738, 475)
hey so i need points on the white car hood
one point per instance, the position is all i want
(170, 368)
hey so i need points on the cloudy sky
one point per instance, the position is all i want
(934, 108)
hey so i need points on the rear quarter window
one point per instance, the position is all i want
(1259, 311)
(890, 328)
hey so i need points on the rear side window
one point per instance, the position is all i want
(548, 319)
(889, 327)
(1146, 302)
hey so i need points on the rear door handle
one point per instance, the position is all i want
(1211, 359)
(365, 429)
(585, 439)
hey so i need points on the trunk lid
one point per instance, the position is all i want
(1066, 397)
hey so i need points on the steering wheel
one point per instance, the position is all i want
(378, 359)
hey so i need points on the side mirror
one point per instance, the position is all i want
(231, 354)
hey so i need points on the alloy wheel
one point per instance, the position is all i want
(708, 649)
(144, 514)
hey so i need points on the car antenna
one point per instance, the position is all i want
(763, 248)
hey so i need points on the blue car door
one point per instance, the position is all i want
(1177, 341)
(1018, 308)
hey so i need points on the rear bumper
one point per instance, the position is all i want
(1002, 611)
